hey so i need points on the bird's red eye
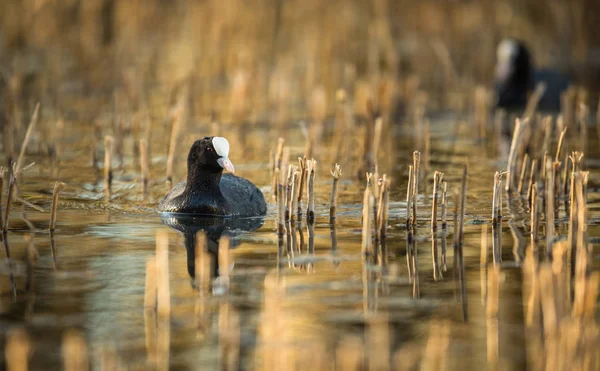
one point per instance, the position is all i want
(209, 149)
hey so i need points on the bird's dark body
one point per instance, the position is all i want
(235, 197)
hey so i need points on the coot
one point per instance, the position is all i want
(207, 191)
(516, 77)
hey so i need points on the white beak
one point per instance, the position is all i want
(226, 164)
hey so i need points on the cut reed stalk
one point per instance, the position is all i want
(30, 127)
(534, 99)
(550, 174)
(524, 167)
(560, 145)
(310, 213)
(382, 219)
(302, 162)
(295, 190)
(9, 197)
(150, 288)
(367, 223)
(2, 172)
(535, 216)
(512, 157)
(289, 191)
(531, 179)
(496, 201)
(224, 244)
(108, 175)
(415, 190)
(444, 204)
(280, 207)
(145, 166)
(463, 199)
(409, 195)
(58, 187)
(163, 290)
(437, 180)
(336, 173)
(566, 179)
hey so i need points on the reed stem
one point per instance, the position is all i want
(108, 174)
(336, 173)
(58, 187)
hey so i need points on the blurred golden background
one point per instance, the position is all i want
(262, 60)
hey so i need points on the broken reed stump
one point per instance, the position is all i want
(531, 180)
(9, 198)
(534, 100)
(303, 165)
(295, 190)
(444, 204)
(288, 191)
(560, 145)
(409, 195)
(310, 212)
(336, 173)
(437, 181)
(497, 199)
(535, 215)
(415, 188)
(108, 175)
(30, 127)
(367, 221)
(145, 167)
(459, 241)
(524, 167)
(513, 155)
(280, 206)
(549, 212)
(382, 220)
(58, 187)
(2, 172)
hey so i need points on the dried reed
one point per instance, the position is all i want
(145, 166)
(30, 127)
(58, 187)
(415, 188)
(336, 173)
(108, 174)
(310, 212)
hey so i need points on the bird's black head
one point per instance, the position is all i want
(513, 62)
(514, 73)
(210, 154)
